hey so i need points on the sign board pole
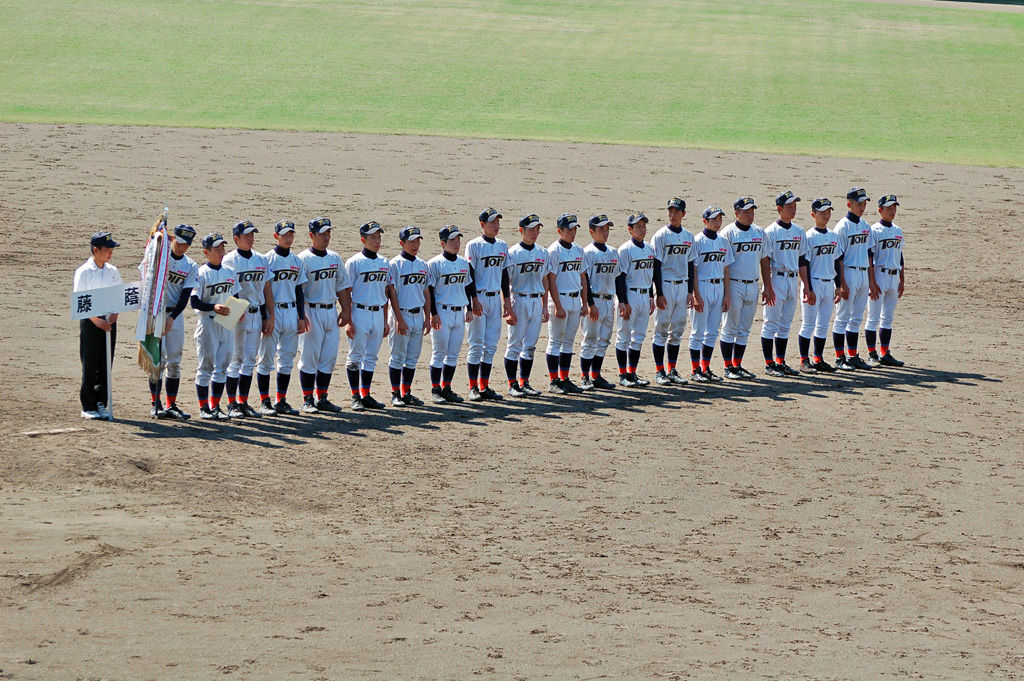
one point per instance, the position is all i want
(110, 383)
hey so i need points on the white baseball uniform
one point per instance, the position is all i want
(636, 261)
(318, 347)
(784, 245)
(674, 249)
(601, 265)
(181, 275)
(823, 249)
(568, 266)
(278, 348)
(527, 266)
(449, 276)
(368, 275)
(888, 262)
(487, 257)
(713, 255)
(855, 240)
(214, 343)
(744, 277)
(411, 278)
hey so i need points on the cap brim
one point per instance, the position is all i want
(821, 208)
(285, 230)
(412, 237)
(714, 215)
(216, 243)
(531, 225)
(753, 205)
(604, 223)
(571, 225)
(889, 203)
(247, 230)
(182, 240)
(492, 218)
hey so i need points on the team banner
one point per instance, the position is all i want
(153, 270)
(98, 302)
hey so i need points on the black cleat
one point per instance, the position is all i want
(873, 360)
(357, 403)
(449, 395)
(475, 395)
(699, 377)
(247, 410)
(676, 378)
(857, 363)
(396, 399)
(774, 369)
(747, 375)
(571, 387)
(640, 382)
(436, 397)
(806, 367)
(235, 411)
(888, 360)
(157, 412)
(489, 394)
(266, 408)
(412, 400)
(371, 403)
(530, 390)
(823, 367)
(732, 374)
(601, 383)
(283, 407)
(556, 387)
(844, 364)
(661, 378)
(712, 376)
(324, 404)
(515, 391)
(175, 412)
(309, 406)
(788, 370)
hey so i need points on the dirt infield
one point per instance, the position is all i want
(843, 527)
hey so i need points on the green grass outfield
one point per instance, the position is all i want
(838, 77)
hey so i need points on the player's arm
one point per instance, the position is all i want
(766, 276)
(400, 326)
(693, 287)
(842, 293)
(506, 293)
(659, 285)
(622, 293)
(475, 308)
(873, 290)
(300, 307)
(267, 308)
(584, 295)
(725, 289)
(805, 278)
(903, 268)
(428, 305)
(345, 300)
(435, 318)
(551, 288)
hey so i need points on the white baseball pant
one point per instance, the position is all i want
(364, 346)
(597, 335)
(214, 344)
(670, 323)
(737, 321)
(279, 346)
(779, 317)
(562, 332)
(704, 324)
(881, 312)
(318, 347)
(246, 344)
(522, 337)
(816, 317)
(171, 346)
(484, 330)
(446, 342)
(849, 312)
(632, 331)
(405, 350)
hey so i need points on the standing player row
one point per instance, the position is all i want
(711, 281)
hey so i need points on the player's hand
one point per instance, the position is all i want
(584, 309)
(809, 297)
(112, 317)
(387, 329)
(899, 291)
(651, 308)
(559, 311)
(470, 313)
(222, 310)
(426, 323)
(836, 298)
(545, 316)
(768, 297)
(342, 320)
(435, 322)
(698, 303)
(101, 323)
(874, 292)
(725, 305)
(268, 325)
(625, 311)
(401, 328)
(844, 293)
(511, 318)
(167, 325)
(661, 302)
(594, 313)
(303, 326)
(351, 331)
(478, 309)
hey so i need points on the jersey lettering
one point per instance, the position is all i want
(414, 279)
(889, 243)
(569, 266)
(858, 239)
(454, 278)
(714, 257)
(286, 275)
(319, 275)
(369, 277)
(789, 245)
(492, 260)
(605, 267)
(528, 267)
(646, 264)
(677, 249)
(250, 276)
(747, 246)
(220, 287)
(825, 249)
(175, 277)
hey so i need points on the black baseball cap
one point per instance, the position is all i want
(676, 202)
(317, 225)
(785, 198)
(888, 200)
(635, 218)
(489, 215)
(567, 221)
(409, 233)
(243, 227)
(102, 240)
(449, 232)
(212, 241)
(818, 205)
(857, 194)
(531, 220)
(184, 233)
(712, 212)
(744, 203)
(371, 227)
(600, 221)
(284, 227)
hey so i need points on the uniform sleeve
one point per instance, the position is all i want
(191, 279)
(237, 288)
(767, 245)
(78, 283)
(302, 274)
(552, 261)
(691, 255)
(348, 275)
(471, 256)
(658, 244)
(805, 246)
(730, 254)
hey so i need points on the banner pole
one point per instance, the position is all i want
(110, 385)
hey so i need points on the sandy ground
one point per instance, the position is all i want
(849, 527)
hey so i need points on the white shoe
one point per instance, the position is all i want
(93, 415)
(104, 412)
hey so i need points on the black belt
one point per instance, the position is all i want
(529, 295)
(711, 281)
(411, 310)
(744, 281)
(601, 296)
(677, 281)
(571, 294)
(489, 294)
(641, 290)
(851, 267)
(885, 271)
(284, 306)
(321, 306)
(452, 307)
(820, 279)
(253, 310)
(371, 308)
(786, 274)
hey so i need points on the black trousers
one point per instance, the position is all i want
(92, 341)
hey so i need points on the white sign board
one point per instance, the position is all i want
(103, 301)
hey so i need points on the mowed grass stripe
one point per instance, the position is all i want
(835, 78)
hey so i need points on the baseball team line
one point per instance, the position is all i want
(712, 281)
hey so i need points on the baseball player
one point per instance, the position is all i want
(566, 285)
(365, 292)
(318, 347)
(675, 290)
(634, 288)
(823, 249)
(251, 271)
(785, 245)
(411, 280)
(528, 266)
(889, 275)
(750, 265)
(714, 256)
(215, 283)
(486, 255)
(181, 280)
(278, 348)
(454, 298)
(857, 243)
(601, 265)
(96, 272)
